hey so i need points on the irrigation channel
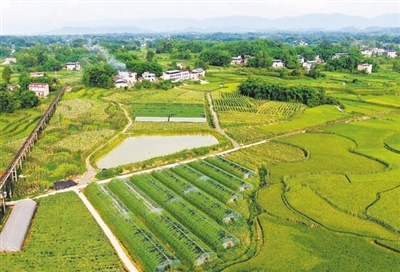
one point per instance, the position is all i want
(16, 163)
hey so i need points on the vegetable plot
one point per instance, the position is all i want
(207, 184)
(222, 176)
(186, 245)
(209, 205)
(209, 231)
(139, 241)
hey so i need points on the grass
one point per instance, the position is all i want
(71, 240)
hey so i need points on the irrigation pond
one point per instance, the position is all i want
(135, 149)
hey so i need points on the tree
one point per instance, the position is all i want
(396, 66)
(99, 76)
(6, 75)
(216, 57)
(28, 99)
(150, 55)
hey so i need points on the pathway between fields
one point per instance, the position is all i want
(114, 241)
(90, 170)
(216, 122)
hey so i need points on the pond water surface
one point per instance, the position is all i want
(135, 149)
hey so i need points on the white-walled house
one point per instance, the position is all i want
(197, 73)
(120, 83)
(149, 76)
(8, 60)
(366, 53)
(40, 89)
(130, 77)
(36, 74)
(391, 54)
(365, 67)
(72, 66)
(339, 55)
(236, 60)
(308, 65)
(11, 87)
(277, 63)
(318, 59)
(176, 75)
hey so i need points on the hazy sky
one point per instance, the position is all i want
(31, 16)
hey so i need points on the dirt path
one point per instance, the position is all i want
(216, 122)
(113, 240)
(90, 170)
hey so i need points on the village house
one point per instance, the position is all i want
(40, 89)
(378, 51)
(246, 58)
(339, 55)
(308, 65)
(11, 87)
(318, 59)
(176, 75)
(8, 60)
(120, 82)
(130, 77)
(391, 54)
(236, 60)
(72, 66)
(303, 43)
(366, 53)
(197, 73)
(277, 63)
(301, 59)
(36, 74)
(148, 76)
(365, 67)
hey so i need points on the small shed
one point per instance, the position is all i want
(59, 185)
(13, 235)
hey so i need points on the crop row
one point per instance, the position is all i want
(233, 105)
(209, 231)
(209, 205)
(231, 167)
(139, 241)
(207, 184)
(222, 176)
(279, 108)
(186, 245)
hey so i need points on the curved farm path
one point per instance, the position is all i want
(90, 170)
(216, 121)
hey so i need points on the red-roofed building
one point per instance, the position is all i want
(40, 89)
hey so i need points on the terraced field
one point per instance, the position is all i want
(344, 187)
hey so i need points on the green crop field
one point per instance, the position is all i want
(71, 240)
(182, 213)
(165, 110)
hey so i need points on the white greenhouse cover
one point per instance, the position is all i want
(13, 235)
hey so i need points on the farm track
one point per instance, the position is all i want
(216, 120)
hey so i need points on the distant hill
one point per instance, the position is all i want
(329, 22)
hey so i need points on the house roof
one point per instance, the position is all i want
(35, 84)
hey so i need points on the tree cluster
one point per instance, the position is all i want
(100, 76)
(17, 99)
(142, 66)
(257, 88)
